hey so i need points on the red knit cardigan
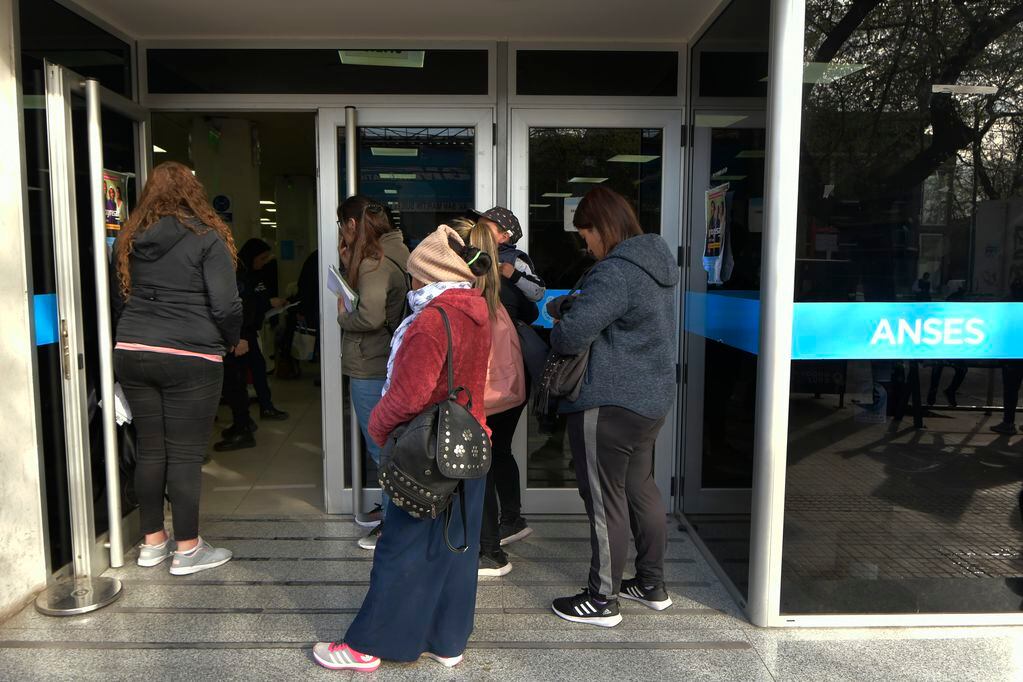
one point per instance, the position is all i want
(419, 378)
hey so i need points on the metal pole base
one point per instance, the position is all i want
(76, 596)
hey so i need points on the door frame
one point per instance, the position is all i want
(339, 496)
(695, 498)
(567, 500)
(91, 555)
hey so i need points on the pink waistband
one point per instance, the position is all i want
(167, 351)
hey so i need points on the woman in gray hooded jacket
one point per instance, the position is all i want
(625, 314)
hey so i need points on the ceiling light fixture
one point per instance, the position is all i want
(539, 205)
(397, 176)
(270, 210)
(266, 202)
(408, 59)
(159, 150)
(390, 191)
(556, 195)
(394, 151)
(633, 158)
(594, 181)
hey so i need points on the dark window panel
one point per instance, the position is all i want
(733, 74)
(311, 72)
(596, 73)
(51, 31)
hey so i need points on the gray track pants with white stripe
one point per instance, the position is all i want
(613, 450)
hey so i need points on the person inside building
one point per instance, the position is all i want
(305, 315)
(176, 313)
(247, 359)
(373, 257)
(422, 596)
(504, 401)
(624, 314)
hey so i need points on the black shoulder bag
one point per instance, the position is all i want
(425, 462)
(562, 376)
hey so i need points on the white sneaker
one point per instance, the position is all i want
(154, 555)
(446, 662)
(370, 541)
(202, 558)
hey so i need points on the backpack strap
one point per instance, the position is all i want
(460, 492)
(404, 297)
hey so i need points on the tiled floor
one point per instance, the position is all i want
(297, 579)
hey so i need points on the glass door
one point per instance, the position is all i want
(88, 157)
(427, 166)
(556, 157)
(722, 310)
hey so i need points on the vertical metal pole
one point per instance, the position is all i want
(351, 188)
(101, 265)
(65, 228)
(784, 118)
(83, 593)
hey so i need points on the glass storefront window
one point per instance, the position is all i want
(904, 466)
(564, 163)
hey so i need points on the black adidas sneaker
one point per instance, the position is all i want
(655, 597)
(583, 608)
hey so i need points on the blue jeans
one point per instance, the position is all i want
(365, 396)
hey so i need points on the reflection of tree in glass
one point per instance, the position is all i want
(880, 132)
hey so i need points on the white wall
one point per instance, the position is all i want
(228, 167)
(22, 559)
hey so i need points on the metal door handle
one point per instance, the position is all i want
(65, 346)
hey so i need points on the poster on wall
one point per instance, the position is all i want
(715, 246)
(115, 193)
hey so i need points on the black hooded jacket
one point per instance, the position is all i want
(183, 291)
(253, 287)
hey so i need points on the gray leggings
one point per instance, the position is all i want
(613, 450)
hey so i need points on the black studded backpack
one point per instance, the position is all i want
(424, 462)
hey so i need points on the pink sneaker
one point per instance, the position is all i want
(340, 656)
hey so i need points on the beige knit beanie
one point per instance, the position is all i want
(435, 261)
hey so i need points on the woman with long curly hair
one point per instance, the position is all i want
(176, 315)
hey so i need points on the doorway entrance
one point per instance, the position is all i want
(426, 166)
(557, 155)
(259, 170)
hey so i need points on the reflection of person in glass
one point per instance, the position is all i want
(1012, 377)
(119, 206)
(958, 366)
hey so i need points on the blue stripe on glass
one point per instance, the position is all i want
(46, 319)
(912, 331)
(729, 317)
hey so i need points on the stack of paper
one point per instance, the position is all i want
(337, 285)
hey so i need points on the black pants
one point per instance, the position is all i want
(613, 450)
(173, 400)
(1012, 377)
(502, 480)
(236, 381)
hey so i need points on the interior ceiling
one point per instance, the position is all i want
(604, 20)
